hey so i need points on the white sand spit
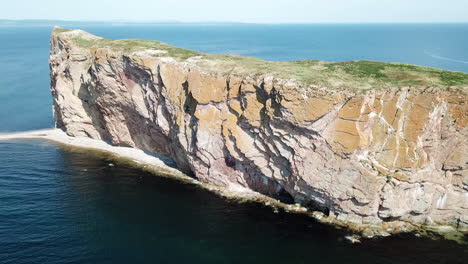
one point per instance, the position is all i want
(151, 162)
(148, 161)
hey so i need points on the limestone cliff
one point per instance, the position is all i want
(364, 142)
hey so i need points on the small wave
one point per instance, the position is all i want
(443, 58)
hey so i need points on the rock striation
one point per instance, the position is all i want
(366, 143)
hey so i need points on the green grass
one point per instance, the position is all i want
(360, 68)
(58, 30)
(351, 75)
(132, 45)
(453, 78)
(400, 73)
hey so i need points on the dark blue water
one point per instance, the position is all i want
(60, 206)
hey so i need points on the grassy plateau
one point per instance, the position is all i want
(352, 75)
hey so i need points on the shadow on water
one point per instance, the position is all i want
(166, 160)
(94, 213)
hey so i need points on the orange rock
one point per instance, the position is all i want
(352, 109)
(346, 136)
(206, 88)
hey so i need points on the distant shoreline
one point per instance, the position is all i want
(52, 22)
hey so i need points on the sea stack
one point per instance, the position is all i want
(366, 143)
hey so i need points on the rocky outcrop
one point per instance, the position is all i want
(363, 156)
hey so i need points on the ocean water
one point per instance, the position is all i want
(64, 206)
(59, 206)
(25, 101)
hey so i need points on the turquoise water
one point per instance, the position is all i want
(59, 206)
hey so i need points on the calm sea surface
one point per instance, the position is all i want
(59, 206)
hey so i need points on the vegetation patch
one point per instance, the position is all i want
(132, 45)
(371, 69)
(350, 75)
(453, 78)
(59, 30)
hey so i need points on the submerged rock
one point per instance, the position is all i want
(365, 143)
(353, 239)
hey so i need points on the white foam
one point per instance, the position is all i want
(443, 58)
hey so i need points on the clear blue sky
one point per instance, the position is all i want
(257, 11)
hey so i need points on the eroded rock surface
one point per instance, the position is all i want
(364, 157)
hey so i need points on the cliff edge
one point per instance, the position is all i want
(367, 143)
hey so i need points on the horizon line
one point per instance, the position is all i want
(168, 21)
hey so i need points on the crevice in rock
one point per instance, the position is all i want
(315, 206)
(88, 100)
(190, 105)
(276, 103)
(284, 196)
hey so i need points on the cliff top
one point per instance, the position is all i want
(351, 75)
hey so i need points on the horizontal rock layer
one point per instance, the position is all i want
(364, 157)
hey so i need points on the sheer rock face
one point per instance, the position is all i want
(366, 158)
